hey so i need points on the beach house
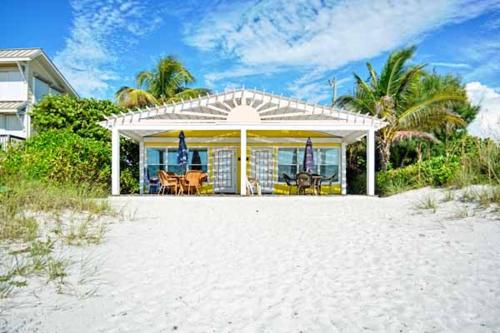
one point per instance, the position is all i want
(26, 75)
(236, 135)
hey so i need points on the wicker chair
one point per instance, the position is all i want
(304, 181)
(193, 181)
(316, 183)
(290, 182)
(329, 181)
(167, 182)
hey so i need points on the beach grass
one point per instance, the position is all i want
(427, 203)
(36, 218)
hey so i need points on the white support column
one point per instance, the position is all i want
(141, 166)
(27, 120)
(343, 179)
(243, 161)
(370, 162)
(115, 161)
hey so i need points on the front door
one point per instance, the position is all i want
(224, 174)
(262, 168)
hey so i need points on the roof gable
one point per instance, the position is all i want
(30, 54)
(242, 106)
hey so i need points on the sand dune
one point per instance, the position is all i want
(277, 264)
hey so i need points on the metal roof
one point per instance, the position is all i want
(12, 106)
(20, 53)
(28, 54)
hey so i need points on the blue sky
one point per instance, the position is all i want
(287, 47)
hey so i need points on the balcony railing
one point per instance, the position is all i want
(7, 139)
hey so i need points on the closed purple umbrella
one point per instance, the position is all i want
(308, 157)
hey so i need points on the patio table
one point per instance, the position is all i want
(181, 182)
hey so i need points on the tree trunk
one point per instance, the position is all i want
(385, 154)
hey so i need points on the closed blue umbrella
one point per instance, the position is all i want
(308, 156)
(182, 152)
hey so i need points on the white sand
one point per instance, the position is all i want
(277, 264)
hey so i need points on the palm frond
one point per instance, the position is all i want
(409, 77)
(373, 76)
(363, 88)
(432, 112)
(188, 93)
(402, 135)
(143, 79)
(393, 70)
(128, 98)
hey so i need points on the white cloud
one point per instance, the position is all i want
(450, 64)
(101, 31)
(313, 86)
(309, 34)
(487, 122)
(237, 72)
(322, 33)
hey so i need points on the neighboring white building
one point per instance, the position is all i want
(26, 75)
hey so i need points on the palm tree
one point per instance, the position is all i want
(166, 83)
(401, 95)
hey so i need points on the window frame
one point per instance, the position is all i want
(165, 165)
(51, 89)
(317, 165)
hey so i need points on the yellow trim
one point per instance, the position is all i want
(282, 189)
(250, 134)
(278, 188)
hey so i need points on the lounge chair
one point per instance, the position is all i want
(252, 184)
(304, 181)
(290, 182)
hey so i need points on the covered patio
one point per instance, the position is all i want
(244, 134)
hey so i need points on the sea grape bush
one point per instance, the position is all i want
(469, 160)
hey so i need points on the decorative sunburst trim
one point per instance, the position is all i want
(216, 108)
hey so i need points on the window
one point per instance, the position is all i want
(13, 75)
(291, 160)
(41, 89)
(327, 162)
(166, 159)
(155, 161)
(11, 122)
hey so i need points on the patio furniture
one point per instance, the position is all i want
(193, 181)
(154, 185)
(316, 183)
(167, 182)
(252, 184)
(290, 182)
(329, 181)
(304, 181)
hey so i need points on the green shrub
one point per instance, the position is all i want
(436, 171)
(470, 160)
(81, 116)
(479, 163)
(78, 115)
(58, 157)
(62, 157)
(128, 181)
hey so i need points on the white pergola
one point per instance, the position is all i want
(242, 110)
